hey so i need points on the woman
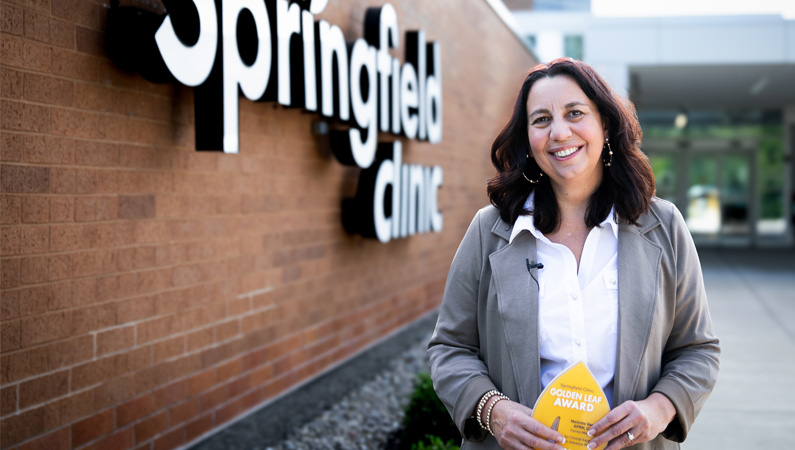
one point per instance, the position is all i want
(576, 260)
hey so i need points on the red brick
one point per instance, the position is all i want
(170, 394)
(148, 428)
(68, 409)
(37, 26)
(9, 336)
(184, 411)
(45, 328)
(115, 234)
(25, 179)
(49, 90)
(154, 329)
(70, 352)
(57, 440)
(74, 65)
(48, 150)
(90, 41)
(136, 258)
(24, 117)
(82, 12)
(201, 382)
(24, 364)
(11, 147)
(93, 317)
(154, 280)
(35, 209)
(17, 428)
(95, 208)
(94, 262)
(73, 181)
(209, 400)
(112, 341)
(34, 269)
(11, 208)
(114, 391)
(198, 426)
(61, 209)
(150, 232)
(44, 388)
(11, 82)
(11, 19)
(71, 293)
(116, 286)
(94, 372)
(170, 440)
(62, 33)
(8, 400)
(80, 124)
(17, 52)
(200, 339)
(120, 440)
(227, 412)
(89, 429)
(134, 309)
(88, 153)
(59, 267)
(169, 348)
(134, 409)
(72, 237)
(136, 206)
(239, 386)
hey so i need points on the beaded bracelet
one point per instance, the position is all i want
(488, 412)
(483, 400)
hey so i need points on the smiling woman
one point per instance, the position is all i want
(614, 281)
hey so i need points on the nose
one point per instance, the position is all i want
(559, 130)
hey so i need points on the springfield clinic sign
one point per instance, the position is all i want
(274, 50)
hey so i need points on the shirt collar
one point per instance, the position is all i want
(525, 222)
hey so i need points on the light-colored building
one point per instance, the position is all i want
(716, 98)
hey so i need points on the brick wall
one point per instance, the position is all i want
(150, 292)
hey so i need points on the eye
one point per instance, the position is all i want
(540, 120)
(575, 113)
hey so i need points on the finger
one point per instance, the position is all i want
(623, 441)
(615, 432)
(520, 437)
(537, 428)
(616, 415)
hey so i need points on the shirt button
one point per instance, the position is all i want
(612, 282)
(574, 296)
(577, 342)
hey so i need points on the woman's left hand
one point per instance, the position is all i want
(641, 421)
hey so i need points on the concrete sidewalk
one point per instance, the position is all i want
(752, 301)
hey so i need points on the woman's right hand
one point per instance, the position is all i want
(515, 428)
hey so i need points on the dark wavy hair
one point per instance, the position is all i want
(628, 184)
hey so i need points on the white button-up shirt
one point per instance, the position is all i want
(578, 310)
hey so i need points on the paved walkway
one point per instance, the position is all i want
(752, 301)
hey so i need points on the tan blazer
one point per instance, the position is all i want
(486, 336)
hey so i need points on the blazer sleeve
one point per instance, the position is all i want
(459, 376)
(691, 356)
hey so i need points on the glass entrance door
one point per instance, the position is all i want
(712, 187)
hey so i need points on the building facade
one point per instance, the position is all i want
(152, 293)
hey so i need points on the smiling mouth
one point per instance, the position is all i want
(565, 152)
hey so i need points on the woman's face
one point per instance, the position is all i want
(566, 133)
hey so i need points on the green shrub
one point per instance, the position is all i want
(427, 419)
(435, 443)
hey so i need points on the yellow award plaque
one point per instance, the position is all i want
(571, 403)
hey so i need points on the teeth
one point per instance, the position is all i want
(566, 152)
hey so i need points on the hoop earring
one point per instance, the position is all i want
(540, 174)
(609, 160)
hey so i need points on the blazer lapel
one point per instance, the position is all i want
(638, 277)
(517, 301)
